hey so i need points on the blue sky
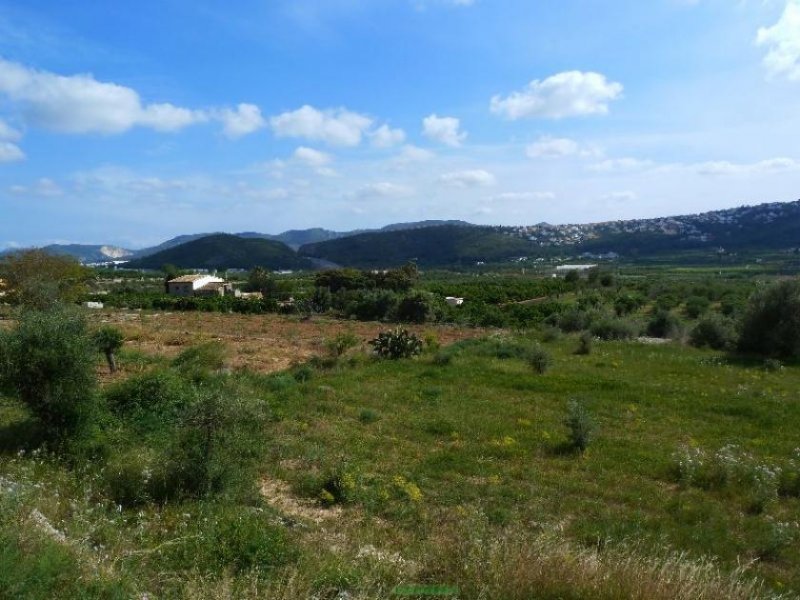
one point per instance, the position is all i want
(130, 122)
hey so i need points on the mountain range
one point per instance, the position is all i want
(764, 227)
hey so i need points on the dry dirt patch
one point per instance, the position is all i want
(261, 343)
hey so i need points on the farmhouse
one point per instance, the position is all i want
(578, 268)
(200, 285)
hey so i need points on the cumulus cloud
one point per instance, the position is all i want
(445, 130)
(337, 127)
(10, 152)
(613, 165)
(8, 133)
(412, 153)
(81, 104)
(241, 121)
(783, 41)
(383, 189)
(468, 179)
(549, 147)
(311, 157)
(386, 137)
(567, 94)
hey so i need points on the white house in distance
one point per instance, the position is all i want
(193, 285)
(453, 301)
(578, 268)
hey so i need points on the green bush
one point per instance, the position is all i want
(664, 324)
(539, 359)
(152, 396)
(614, 329)
(396, 344)
(696, 306)
(341, 343)
(585, 343)
(417, 308)
(579, 426)
(230, 538)
(215, 447)
(200, 361)
(108, 341)
(48, 362)
(771, 323)
(714, 332)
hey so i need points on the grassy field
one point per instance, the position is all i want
(450, 469)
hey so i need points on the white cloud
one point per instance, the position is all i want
(386, 137)
(771, 165)
(311, 157)
(568, 94)
(445, 130)
(241, 121)
(783, 41)
(621, 164)
(81, 104)
(8, 133)
(624, 196)
(522, 196)
(412, 153)
(43, 187)
(10, 152)
(383, 189)
(468, 179)
(339, 127)
(550, 147)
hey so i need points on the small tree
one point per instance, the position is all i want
(579, 426)
(38, 280)
(771, 323)
(48, 362)
(109, 340)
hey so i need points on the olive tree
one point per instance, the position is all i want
(48, 361)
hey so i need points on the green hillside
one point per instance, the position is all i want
(429, 247)
(223, 251)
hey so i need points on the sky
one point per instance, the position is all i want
(128, 123)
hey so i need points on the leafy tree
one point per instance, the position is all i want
(261, 280)
(109, 340)
(771, 323)
(48, 362)
(36, 279)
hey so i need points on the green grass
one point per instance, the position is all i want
(487, 432)
(432, 460)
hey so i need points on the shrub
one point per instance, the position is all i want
(771, 323)
(368, 416)
(539, 360)
(550, 334)
(221, 538)
(624, 305)
(579, 426)
(416, 308)
(108, 341)
(154, 396)
(48, 362)
(215, 446)
(340, 487)
(713, 332)
(664, 324)
(200, 361)
(614, 329)
(341, 344)
(696, 306)
(396, 344)
(585, 343)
